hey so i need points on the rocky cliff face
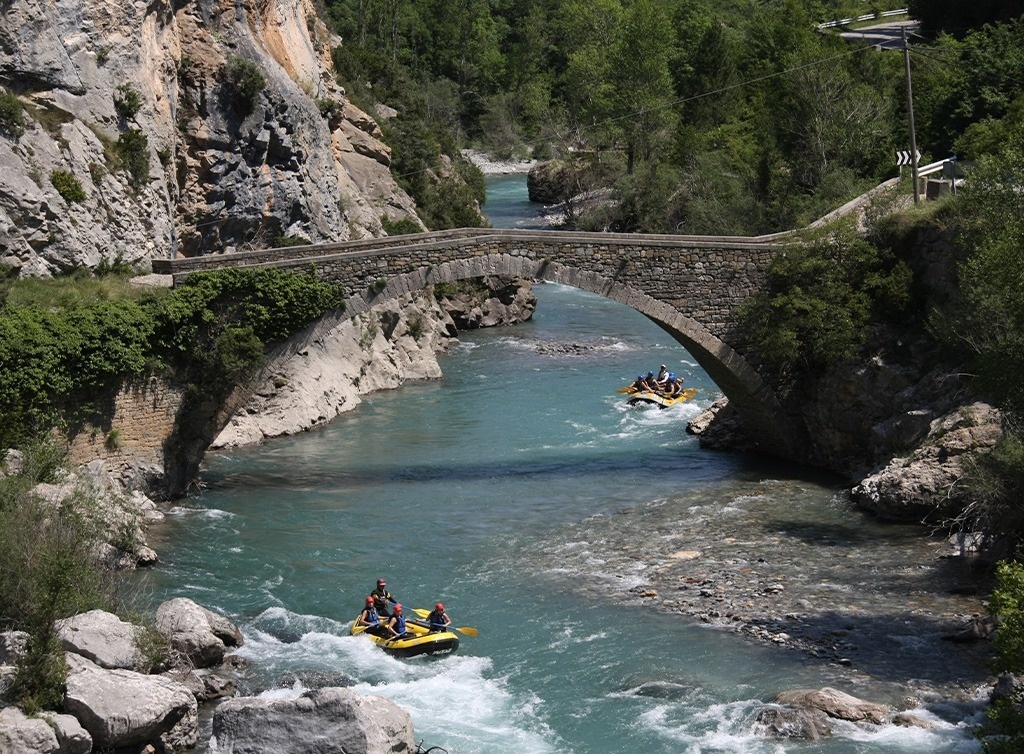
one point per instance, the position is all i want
(154, 113)
(324, 371)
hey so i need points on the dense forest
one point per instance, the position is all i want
(733, 117)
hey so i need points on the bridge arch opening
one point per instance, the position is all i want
(754, 399)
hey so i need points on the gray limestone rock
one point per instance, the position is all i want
(101, 637)
(12, 644)
(789, 722)
(123, 708)
(20, 734)
(836, 704)
(327, 721)
(910, 488)
(199, 634)
(72, 738)
(218, 179)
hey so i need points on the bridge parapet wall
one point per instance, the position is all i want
(702, 277)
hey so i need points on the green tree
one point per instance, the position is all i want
(989, 316)
(643, 84)
(588, 33)
(819, 301)
(958, 83)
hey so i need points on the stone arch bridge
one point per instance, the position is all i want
(691, 286)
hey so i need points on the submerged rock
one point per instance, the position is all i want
(788, 722)
(836, 704)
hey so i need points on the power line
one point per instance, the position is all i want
(666, 105)
(691, 98)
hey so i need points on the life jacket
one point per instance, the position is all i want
(399, 627)
(372, 618)
(436, 621)
(380, 599)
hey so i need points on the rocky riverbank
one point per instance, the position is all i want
(893, 610)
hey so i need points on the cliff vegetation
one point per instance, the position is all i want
(65, 344)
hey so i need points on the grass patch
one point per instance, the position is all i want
(75, 291)
(52, 119)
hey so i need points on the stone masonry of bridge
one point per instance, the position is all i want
(691, 286)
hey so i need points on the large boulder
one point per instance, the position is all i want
(72, 738)
(789, 722)
(910, 488)
(101, 637)
(325, 721)
(494, 301)
(836, 704)
(12, 644)
(25, 735)
(123, 708)
(201, 635)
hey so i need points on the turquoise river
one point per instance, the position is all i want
(505, 490)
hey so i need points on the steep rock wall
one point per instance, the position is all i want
(303, 162)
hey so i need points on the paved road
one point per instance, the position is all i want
(887, 36)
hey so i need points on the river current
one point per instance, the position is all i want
(525, 494)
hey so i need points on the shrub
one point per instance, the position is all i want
(400, 227)
(286, 241)
(132, 150)
(48, 355)
(115, 267)
(68, 186)
(991, 485)
(113, 439)
(209, 331)
(214, 326)
(329, 108)
(244, 81)
(12, 115)
(127, 101)
(1006, 732)
(44, 577)
(820, 299)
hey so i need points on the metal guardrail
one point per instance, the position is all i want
(865, 17)
(931, 168)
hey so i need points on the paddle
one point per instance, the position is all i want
(467, 630)
(629, 389)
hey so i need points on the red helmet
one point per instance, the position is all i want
(397, 608)
(369, 600)
(439, 606)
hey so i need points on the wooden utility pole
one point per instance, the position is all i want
(910, 112)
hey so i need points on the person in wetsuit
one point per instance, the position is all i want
(381, 598)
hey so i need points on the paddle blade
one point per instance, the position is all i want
(421, 612)
(624, 390)
(689, 393)
(467, 630)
